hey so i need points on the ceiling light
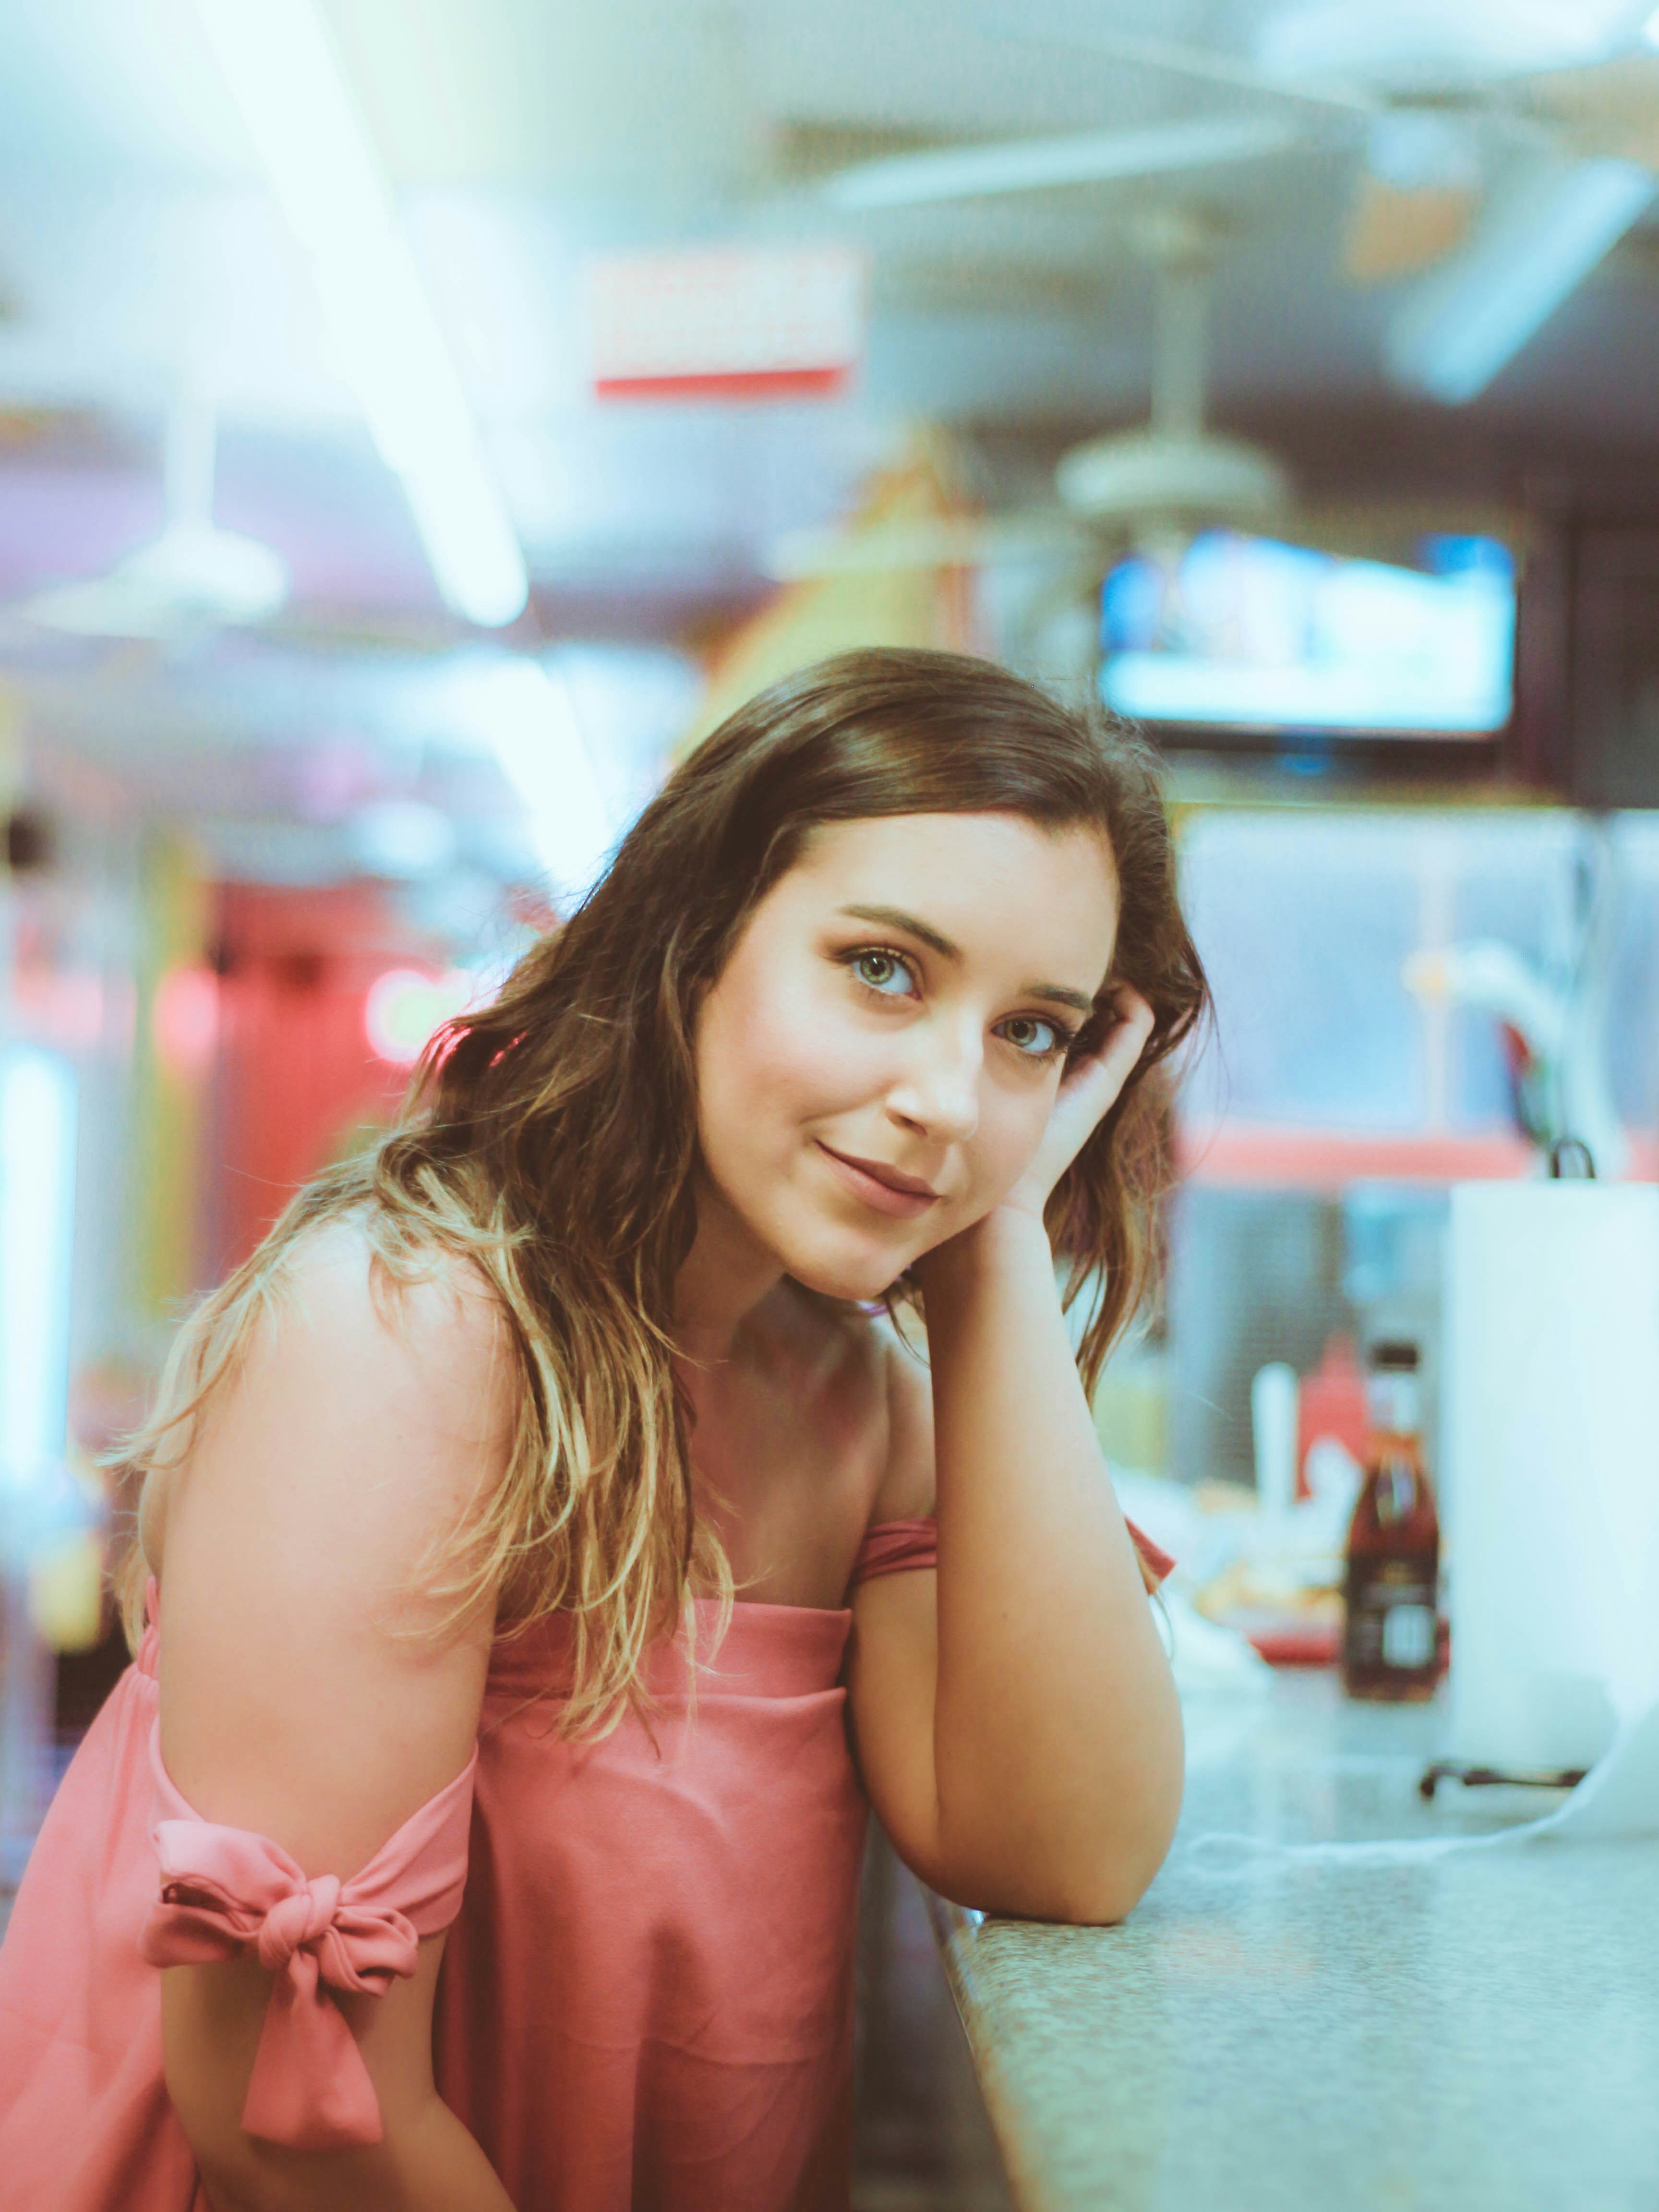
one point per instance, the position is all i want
(1539, 241)
(193, 574)
(1427, 45)
(287, 81)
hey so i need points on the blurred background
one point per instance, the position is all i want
(419, 421)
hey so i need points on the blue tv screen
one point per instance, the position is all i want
(1242, 632)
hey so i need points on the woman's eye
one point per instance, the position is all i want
(884, 972)
(1037, 1040)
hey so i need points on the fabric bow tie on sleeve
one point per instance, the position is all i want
(225, 1890)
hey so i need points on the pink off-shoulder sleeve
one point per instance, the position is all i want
(894, 1547)
(225, 1890)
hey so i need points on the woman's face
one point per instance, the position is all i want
(876, 1062)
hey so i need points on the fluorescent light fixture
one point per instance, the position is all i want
(1026, 165)
(521, 710)
(1429, 45)
(37, 1234)
(1538, 241)
(285, 76)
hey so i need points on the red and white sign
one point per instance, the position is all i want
(735, 322)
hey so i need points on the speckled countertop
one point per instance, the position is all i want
(1477, 2030)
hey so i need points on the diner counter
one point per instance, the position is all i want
(1477, 2029)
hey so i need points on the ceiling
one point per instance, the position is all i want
(137, 237)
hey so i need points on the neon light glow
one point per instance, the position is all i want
(185, 1019)
(404, 1008)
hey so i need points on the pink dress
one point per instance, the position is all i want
(646, 1999)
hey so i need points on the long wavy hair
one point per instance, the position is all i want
(550, 1139)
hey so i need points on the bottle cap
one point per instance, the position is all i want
(1394, 1357)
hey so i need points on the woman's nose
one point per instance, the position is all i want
(938, 1090)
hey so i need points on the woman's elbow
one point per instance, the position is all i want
(1082, 1897)
(1136, 1840)
(1107, 1893)
(1093, 1877)
(1123, 1873)
(1093, 1889)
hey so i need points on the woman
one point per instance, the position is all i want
(451, 1490)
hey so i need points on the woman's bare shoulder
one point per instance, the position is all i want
(438, 1306)
(361, 1402)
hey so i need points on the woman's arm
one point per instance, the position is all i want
(211, 2018)
(308, 1696)
(1019, 1733)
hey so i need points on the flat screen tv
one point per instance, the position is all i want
(1246, 635)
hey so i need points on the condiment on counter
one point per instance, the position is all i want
(1390, 1640)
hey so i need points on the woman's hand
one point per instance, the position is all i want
(1017, 1726)
(1089, 1090)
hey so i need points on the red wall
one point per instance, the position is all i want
(296, 1074)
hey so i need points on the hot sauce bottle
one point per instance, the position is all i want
(1390, 1644)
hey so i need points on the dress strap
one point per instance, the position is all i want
(895, 1547)
(1156, 1563)
(225, 1891)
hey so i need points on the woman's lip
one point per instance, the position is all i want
(869, 1180)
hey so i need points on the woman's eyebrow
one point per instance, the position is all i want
(1061, 994)
(893, 917)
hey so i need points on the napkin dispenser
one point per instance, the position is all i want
(1550, 1451)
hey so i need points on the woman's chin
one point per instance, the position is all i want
(863, 1277)
(864, 1287)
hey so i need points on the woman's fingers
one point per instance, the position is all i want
(1092, 1087)
(1126, 1040)
(1110, 1065)
(1087, 1094)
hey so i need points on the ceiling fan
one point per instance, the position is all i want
(194, 576)
(1148, 485)
(1149, 489)
(1503, 155)
(1152, 487)
(1504, 147)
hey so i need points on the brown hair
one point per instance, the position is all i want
(550, 1137)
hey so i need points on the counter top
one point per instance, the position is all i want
(1472, 2030)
